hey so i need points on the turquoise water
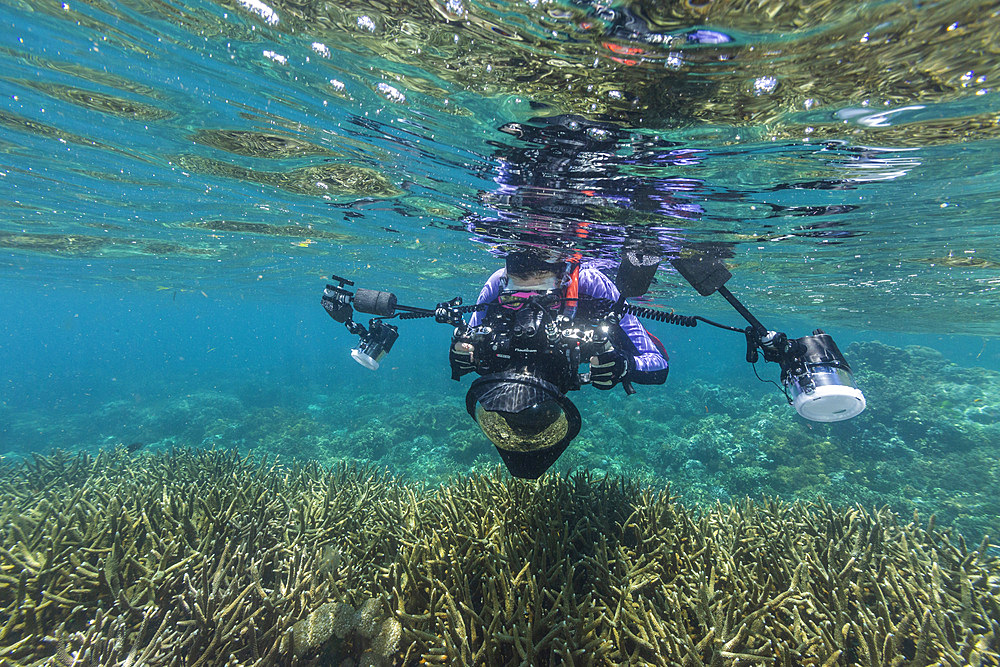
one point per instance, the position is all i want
(180, 181)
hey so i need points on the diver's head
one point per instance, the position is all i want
(534, 269)
(527, 418)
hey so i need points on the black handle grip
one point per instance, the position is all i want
(373, 302)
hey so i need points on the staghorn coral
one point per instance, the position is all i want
(106, 559)
(199, 557)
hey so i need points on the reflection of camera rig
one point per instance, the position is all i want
(812, 367)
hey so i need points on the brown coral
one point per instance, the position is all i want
(200, 557)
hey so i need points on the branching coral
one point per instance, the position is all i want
(205, 557)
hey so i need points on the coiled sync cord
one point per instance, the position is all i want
(661, 316)
(638, 311)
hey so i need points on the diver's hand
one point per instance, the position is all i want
(460, 357)
(608, 369)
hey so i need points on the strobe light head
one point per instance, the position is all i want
(819, 380)
(374, 344)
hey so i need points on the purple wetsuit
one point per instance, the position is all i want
(649, 366)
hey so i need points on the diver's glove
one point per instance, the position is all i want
(609, 368)
(460, 357)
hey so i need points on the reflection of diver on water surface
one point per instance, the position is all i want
(626, 24)
(565, 182)
(569, 182)
(567, 165)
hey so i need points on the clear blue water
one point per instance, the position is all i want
(168, 225)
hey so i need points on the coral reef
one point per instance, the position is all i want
(927, 424)
(195, 555)
(259, 144)
(84, 245)
(202, 557)
(96, 101)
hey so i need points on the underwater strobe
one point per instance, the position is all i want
(817, 378)
(375, 341)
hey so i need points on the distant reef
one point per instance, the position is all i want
(208, 557)
(928, 442)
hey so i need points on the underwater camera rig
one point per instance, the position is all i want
(816, 378)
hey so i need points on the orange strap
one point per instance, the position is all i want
(573, 288)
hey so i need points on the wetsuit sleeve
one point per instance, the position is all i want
(491, 290)
(650, 367)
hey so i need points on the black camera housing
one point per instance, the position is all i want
(536, 336)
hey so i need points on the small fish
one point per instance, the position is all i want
(134, 447)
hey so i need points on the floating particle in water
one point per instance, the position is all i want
(764, 85)
(366, 23)
(321, 48)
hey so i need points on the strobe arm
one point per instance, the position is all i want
(708, 274)
(815, 376)
(376, 341)
(755, 324)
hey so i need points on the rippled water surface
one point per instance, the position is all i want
(841, 155)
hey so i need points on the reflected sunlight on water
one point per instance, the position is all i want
(832, 148)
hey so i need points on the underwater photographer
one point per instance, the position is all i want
(547, 323)
(535, 300)
(541, 319)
